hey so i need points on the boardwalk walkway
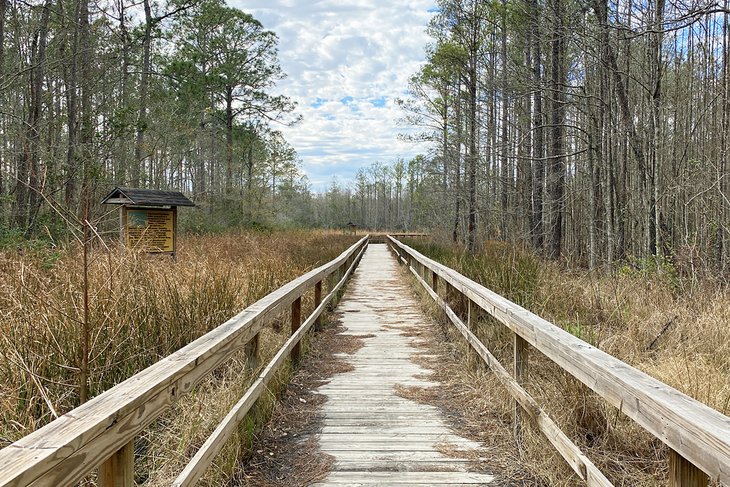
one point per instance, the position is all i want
(376, 436)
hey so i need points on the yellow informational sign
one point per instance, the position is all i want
(150, 230)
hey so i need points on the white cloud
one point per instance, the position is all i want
(359, 51)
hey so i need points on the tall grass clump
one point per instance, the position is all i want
(671, 327)
(141, 308)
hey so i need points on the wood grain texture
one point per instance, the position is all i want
(118, 470)
(697, 432)
(370, 429)
(683, 474)
(68, 448)
(206, 454)
(580, 464)
(296, 322)
(317, 301)
(520, 360)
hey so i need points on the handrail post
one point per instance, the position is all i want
(332, 283)
(252, 353)
(118, 470)
(468, 313)
(471, 354)
(340, 273)
(435, 282)
(317, 302)
(519, 369)
(682, 473)
(296, 322)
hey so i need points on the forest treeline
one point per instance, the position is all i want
(160, 94)
(588, 129)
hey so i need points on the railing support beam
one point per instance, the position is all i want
(252, 353)
(296, 322)
(519, 370)
(118, 470)
(317, 302)
(682, 473)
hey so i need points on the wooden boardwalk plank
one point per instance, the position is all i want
(403, 478)
(376, 436)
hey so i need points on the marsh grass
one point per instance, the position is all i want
(142, 308)
(673, 330)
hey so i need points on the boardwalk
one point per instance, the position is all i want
(376, 436)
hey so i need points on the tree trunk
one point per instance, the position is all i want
(86, 135)
(506, 175)
(3, 7)
(229, 140)
(655, 56)
(556, 165)
(722, 230)
(140, 153)
(472, 155)
(457, 166)
(122, 153)
(71, 82)
(538, 165)
(29, 180)
(524, 169)
(445, 137)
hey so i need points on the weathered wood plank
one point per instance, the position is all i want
(118, 470)
(296, 322)
(368, 427)
(520, 354)
(683, 474)
(404, 478)
(380, 438)
(317, 302)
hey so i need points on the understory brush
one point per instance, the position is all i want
(142, 308)
(675, 333)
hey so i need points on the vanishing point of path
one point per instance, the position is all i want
(376, 436)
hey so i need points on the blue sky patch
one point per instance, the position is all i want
(318, 102)
(378, 102)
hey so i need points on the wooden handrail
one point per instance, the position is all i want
(696, 433)
(67, 449)
(205, 455)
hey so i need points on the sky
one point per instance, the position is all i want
(347, 61)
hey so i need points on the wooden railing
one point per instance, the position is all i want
(101, 432)
(697, 435)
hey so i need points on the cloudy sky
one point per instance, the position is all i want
(347, 61)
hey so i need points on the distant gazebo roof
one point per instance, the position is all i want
(146, 197)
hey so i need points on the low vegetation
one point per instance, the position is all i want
(671, 326)
(141, 308)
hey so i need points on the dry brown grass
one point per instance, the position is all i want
(673, 330)
(142, 308)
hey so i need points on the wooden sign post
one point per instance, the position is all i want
(148, 218)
